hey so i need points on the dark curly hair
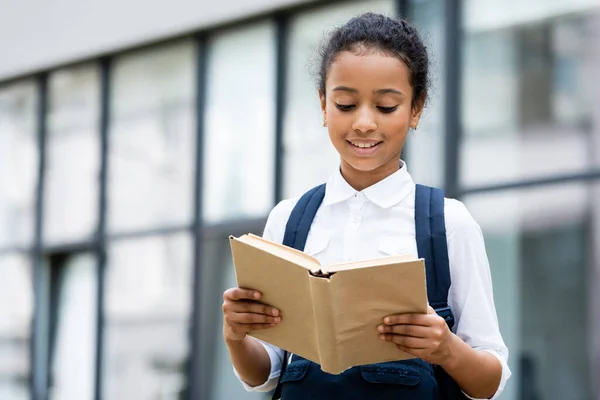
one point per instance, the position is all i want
(389, 36)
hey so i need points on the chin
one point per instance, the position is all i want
(364, 165)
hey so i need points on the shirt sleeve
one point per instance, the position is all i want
(471, 293)
(274, 231)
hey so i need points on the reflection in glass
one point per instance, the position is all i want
(72, 155)
(16, 290)
(18, 163)
(309, 156)
(148, 296)
(152, 139)
(529, 91)
(239, 133)
(540, 244)
(73, 359)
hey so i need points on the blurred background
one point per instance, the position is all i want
(136, 136)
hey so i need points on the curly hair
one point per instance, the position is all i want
(376, 32)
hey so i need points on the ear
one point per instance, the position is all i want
(323, 106)
(417, 111)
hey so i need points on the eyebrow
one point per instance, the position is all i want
(352, 90)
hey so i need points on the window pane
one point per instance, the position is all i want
(239, 139)
(18, 163)
(152, 139)
(425, 146)
(529, 91)
(543, 249)
(310, 158)
(73, 360)
(72, 156)
(218, 380)
(148, 306)
(16, 314)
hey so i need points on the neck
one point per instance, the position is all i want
(360, 180)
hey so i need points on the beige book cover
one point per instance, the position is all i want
(330, 313)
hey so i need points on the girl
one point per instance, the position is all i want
(373, 84)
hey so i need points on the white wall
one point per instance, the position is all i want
(38, 34)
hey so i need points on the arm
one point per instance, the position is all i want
(475, 356)
(427, 336)
(242, 314)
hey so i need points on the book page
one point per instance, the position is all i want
(296, 256)
(369, 263)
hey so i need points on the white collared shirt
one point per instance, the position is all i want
(379, 221)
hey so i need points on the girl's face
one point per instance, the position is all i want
(367, 108)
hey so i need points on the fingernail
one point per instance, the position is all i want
(256, 295)
(275, 312)
(380, 328)
(382, 337)
(273, 324)
(277, 319)
(387, 320)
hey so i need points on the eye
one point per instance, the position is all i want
(387, 110)
(345, 107)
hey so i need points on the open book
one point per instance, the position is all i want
(330, 313)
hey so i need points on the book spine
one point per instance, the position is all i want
(324, 325)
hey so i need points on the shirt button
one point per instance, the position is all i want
(358, 196)
(355, 218)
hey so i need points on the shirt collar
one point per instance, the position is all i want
(385, 193)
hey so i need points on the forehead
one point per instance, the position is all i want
(368, 71)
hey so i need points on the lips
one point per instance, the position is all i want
(364, 148)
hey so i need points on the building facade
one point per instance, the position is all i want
(136, 137)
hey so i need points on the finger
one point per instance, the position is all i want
(251, 318)
(430, 310)
(413, 352)
(406, 330)
(406, 341)
(258, 327)
(253, 307)
(241, 294)
(408, 319)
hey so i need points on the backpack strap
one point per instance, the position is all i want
(296, 233)
(430, 228)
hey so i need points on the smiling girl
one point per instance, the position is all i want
(373, 83)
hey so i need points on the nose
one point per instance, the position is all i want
(364, 121)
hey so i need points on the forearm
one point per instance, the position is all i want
(478, 373)
(251, 360)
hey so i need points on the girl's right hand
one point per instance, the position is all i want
(243, 313)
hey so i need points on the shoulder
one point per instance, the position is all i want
(459, 221)
(277, 220)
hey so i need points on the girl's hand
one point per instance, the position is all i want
(243, 313)
(422, 335)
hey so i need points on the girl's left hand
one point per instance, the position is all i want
(422, 335)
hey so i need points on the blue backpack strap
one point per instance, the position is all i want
(430, 226)
(430, 229)
(296, 233)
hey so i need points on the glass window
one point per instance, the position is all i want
(529, 100)
(152, 139)
(310, 158)
(72, 155)
(425, 146)
(18, 163)
(239, 142)
(148, 308)
(542, 244)
(16, 289)
(74, 328)
(218, 380)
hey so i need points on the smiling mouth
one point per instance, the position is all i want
(364, 145)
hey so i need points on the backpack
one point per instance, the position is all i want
(430, 230)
